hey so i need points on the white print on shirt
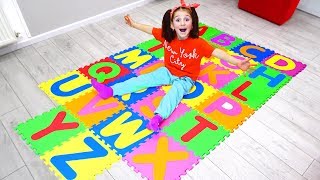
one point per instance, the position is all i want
(193, 55)
(183, 54)
(177, 62)
(169, 48)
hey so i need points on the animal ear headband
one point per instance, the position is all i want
(183, 4)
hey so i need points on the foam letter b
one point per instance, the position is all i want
(223, 40)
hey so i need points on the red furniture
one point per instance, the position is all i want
(276, 11)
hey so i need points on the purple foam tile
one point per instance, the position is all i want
(149, 67)
(284, 64)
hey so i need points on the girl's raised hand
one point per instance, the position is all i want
(246, 65)
(128, 20)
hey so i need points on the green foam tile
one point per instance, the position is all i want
(258, 92)
(210, 32)
(203, 141)
(49, 140)
(158, 53)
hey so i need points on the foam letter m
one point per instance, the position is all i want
(133, 58)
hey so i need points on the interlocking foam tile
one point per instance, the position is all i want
(215, 75)
(82, 157)
(123, 131)
(180, 110)
(105, 71)
(255, 89)
(149, 67)
(226, 41)
(161, 158)
(91, 109)
(198, 93)
(135, 96)
(226, 65)
(66, 87)
(218, 104)
(133, 58)
(152, 46)
(253, 51)
(224, 110)
(284, 64)
(49, 129)
(207, 32)
(121, 79)
(147, 106)
(197, 132)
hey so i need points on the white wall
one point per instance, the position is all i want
(43, 16)
(310, 6)
(58, 22)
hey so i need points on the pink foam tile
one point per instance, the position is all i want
(161, 158)
(216, 75)
(148, 105)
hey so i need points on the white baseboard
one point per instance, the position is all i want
(28, 41)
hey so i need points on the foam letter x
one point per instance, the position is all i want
(160, 158)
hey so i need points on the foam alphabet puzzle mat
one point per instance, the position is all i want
(85, 134)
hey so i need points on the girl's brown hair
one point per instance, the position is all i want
(169, 34)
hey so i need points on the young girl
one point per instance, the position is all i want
(183, 50)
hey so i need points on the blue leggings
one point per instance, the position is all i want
(162, 76)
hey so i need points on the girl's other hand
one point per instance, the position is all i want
(246, 65)
(128, 20)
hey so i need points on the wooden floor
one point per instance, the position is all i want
(280, 141)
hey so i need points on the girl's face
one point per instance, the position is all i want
(182, 23)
